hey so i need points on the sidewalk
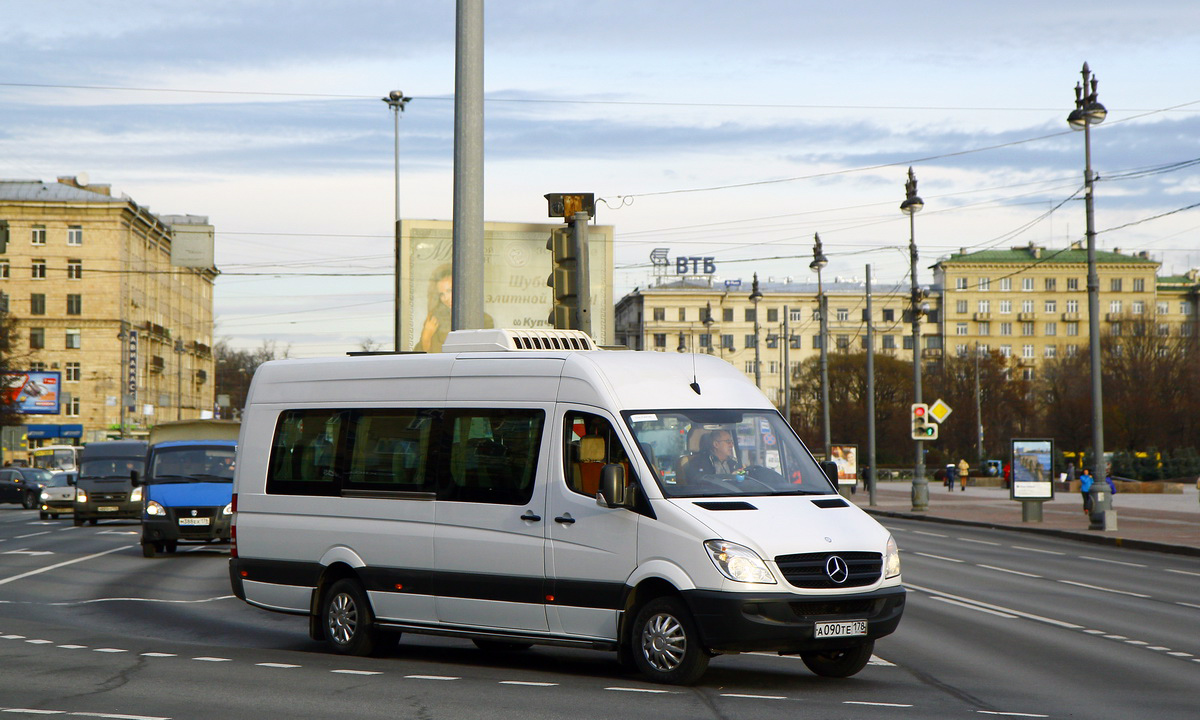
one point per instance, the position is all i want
(1163, 522)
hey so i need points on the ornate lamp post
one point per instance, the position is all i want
(396, 100)
(1088, 111)
(911, 206)
(708, 324)
(755, 296)
(819, 262)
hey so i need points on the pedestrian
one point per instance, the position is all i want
(1007, 475)
(951, 476)
(963, 470)
(1085, 487)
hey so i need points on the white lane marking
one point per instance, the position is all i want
(22, 537)
(40, 642)
(114, 716)
(110, 650)
(284, 666)
(118, 532)
(205, 658)
(1184, 572)
(876, 660)
(158, 654)
(431, 677)
(874, 704)
(1159, 648)
(1180, 654)
(31, 711)
(1036, 550)
(85, 558)
(1113, 562)
(73, 647)
(976, 608)
(1187, 604)
(527, 683)
(32, 553)
(147, 600)
(638, 690)
(1010, 714)
(1116, 637)
(1006, 570)
(754, 697)
(979, 542)
(1136, 642)
(12, 637)
(1103, 589)
(938, 557)
(930, 534)
(998, 608)
(356, 672)
(1094, 632)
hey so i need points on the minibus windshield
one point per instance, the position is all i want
(725, 453)
(191, 464)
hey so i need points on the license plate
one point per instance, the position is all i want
(196, 521)
(107, 508)
(848, 628)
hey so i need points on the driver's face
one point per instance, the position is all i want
(723, 445)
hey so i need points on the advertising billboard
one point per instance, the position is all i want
(516, 265)
(33, 392)
(846, 458)
(1032, 478)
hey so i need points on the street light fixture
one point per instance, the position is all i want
(755, 296)
(911, 206)
(819, 262)
(396, 100)
(1088, 111)
(708, 323)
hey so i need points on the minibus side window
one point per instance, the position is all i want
(590, 443)
(492, 455)
(304, 453)
(390, 451)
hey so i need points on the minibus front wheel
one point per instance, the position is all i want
(347, 619)
(665, 643)
(839, 663)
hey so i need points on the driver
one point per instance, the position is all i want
(715, 457)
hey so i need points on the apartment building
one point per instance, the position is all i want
(90, 280)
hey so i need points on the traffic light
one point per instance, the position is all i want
(563, 279)
(923, 427)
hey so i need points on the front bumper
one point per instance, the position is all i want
(108, 509)
(784, 622)
(182, 525)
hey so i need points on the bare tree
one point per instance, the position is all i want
(10, 357)
(235, 368)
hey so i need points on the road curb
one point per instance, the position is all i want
(1112, 541)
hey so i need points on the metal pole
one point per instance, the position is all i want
(787, 368)
(467, 298)
(823, 307)
(978, 407)
(920, 488)
(583, 285)
(396, 325)
(870, 394)
(1100, 499)
(755, 296)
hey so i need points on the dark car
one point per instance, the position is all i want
(104, 488)
(23, 485)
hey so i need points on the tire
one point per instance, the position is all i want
(839, 663)
(665, 643)
(501, 646)
(149, 550)
(170, 547)
(347, 620)
(93, 521)
(78, 522)
(28, 501)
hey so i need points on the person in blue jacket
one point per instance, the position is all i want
(1085, 487)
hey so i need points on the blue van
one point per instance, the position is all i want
(188, 484)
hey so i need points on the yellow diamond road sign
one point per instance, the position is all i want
(939, 410)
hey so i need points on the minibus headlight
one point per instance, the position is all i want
(738, 563)
(80, 496)
(136, 495)
(153, 508)
(891, 561)
(228, 510)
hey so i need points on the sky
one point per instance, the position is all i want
(729, 130)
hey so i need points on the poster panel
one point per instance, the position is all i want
(1031, 460)
(33, 392)
(846, 458)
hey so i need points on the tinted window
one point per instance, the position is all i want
(492, 455)
(304, 452)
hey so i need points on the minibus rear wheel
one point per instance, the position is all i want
(839, 663)
(347, 619)
(665, 643)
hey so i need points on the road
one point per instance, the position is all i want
(998, 623)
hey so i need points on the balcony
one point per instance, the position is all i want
(931, 353)
(1114, 317)
(1071, 317)
(983, 316)
(1026, 317)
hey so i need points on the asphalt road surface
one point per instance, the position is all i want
(998, 624)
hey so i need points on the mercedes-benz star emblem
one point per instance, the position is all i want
(837, 569)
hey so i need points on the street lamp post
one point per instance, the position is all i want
(396, 101)
(819, 262)
(755, 296)
(1088, 111)
(911, 206)
(708, 323)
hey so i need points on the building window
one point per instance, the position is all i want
(1006, 350)
(1137, 307)
(38, 268)
(816, 343)
(908, 342)
(1006, 307)
(960, 283)
(889, 315)
(727, 315)
(1027, 329)
(75, 235)
(3, 302)
(1026, 306)
(960, 329)
(1072, 284)
(960, 350)
(682, 314)
(74, 304)
(38, 236)
(1027, 284)
(1114, 306)
(982, 350)
(889, 342)
(37, 338)
(751, 341)
(706, 340)
(1185, 330)
(1050, 352)
(1072, 306)
(74, 372)
(843, 343)
(1051, 284)
(1027, 351)
(1006, 328)
(71, 406)
(1164, 330)
(843, 314)
(1163, 308)
(1051, 306)
(772, 315)
(74, 339)
(1051, 329)
(750, 315)
(749, 367)
(795, 315)
(794, 342)
(37, 304)
(985, 328)
(985, 306)
(773, 367)
(985, 284)
(1005, 284)
(660, 340)
(1072, 350)
(960, 307)
(1185, 308)
(74, 269)
(660, 314)
(1139, 284)
(772, 341)
(1072, 329)
(1027, 374)
(4, 269)
(1115, 331)
(37, 366)
(727, 342)
(1114, 285)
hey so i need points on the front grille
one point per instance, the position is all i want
(807, 570)
(830, 608)
(119, 497)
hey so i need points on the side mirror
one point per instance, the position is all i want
(830, 469)
(134, 479)
(612, 486)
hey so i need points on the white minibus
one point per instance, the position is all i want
(523, 487)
